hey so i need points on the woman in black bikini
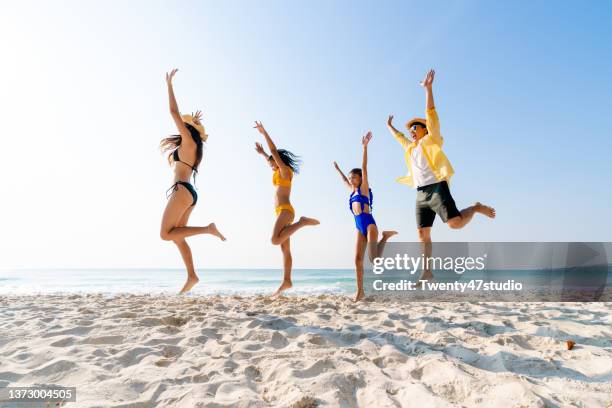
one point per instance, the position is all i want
(185, 148)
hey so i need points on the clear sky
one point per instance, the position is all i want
(522, 89)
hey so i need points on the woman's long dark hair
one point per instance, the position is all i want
(173, 142)
(290, 159)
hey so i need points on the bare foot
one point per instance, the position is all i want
(214, 231)
(358, 296)
(191, 282)
(283, 287)
(387, 234)
(426, 275)
(484, 210)
(309, 221)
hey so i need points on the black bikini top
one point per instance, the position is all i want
(176, 158)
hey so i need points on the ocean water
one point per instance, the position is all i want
(154, 281)
(265, 281)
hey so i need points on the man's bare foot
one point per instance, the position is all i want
(387, 234)
(214, 231)
(426, 275)
(283, 287)
(191, 282)
(484, 210)
(359, 295)
(309, 221)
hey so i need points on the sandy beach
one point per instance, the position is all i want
(169, 351)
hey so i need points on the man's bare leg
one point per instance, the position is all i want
(468, 213)
(425, 238)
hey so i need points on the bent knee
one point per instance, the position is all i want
(275, 241)
(165, 235)
(454, 223)
(424, 235)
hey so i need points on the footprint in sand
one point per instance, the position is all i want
(77, 331)
(150, 322)
(133, 356)
(252, 373)
(103, 340)
(125, 315)
(175, 321)
(274, 323)
(169, 351)
(315, 370)
(65, 342)
(164, 362)
(53, 369)
(278, 341)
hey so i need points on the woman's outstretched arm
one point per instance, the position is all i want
(364, 166)
(277, 159)
(344, 179)
(259, 149)
(174, 110)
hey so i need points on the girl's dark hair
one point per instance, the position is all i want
(356, 171)
(173, 142)
(290, 159)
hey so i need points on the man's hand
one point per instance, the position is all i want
(429, 78)
(389, 120)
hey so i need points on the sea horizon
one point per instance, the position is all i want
(228, 281)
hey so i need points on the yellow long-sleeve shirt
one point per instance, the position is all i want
(432, 150)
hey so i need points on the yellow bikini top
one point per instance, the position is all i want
(278, 181)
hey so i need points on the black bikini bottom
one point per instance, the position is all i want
(189, 188)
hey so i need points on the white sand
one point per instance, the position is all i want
(168, 351)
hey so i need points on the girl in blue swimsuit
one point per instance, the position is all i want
(360, 204)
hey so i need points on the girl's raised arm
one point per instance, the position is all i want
(364, 166)
(344, 179)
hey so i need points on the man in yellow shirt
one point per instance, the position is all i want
(429, 171)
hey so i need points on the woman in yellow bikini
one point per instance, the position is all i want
(284, 164)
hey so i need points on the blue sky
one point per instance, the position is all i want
(522, 91)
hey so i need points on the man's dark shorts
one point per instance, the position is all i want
(434, 199)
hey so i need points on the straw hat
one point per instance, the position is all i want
(198, 126)
(415, 120)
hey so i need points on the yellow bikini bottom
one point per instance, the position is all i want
(284, 207)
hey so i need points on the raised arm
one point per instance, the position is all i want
(427, 83)
(259, 149)
(174, 111)
(433, 123)
(364, 165)
(279, 162)
(399, 136)
(344, 179)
